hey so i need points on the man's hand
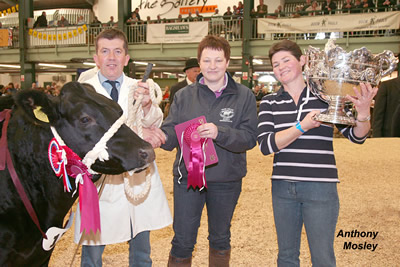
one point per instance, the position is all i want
(154, 136)
(143, 90)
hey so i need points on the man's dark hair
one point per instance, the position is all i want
(111, 34)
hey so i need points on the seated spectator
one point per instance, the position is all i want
(81, 20)
(159, 20)
(262, 9)
(41, 21)
(329, 7)
(347, 6)
(63, 22)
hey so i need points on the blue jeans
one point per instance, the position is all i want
(220, 200)
(314, 204)
(139, 252)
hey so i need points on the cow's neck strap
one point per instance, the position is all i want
(99, 151)
(5, 160)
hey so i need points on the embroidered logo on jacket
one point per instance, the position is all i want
(227, 114)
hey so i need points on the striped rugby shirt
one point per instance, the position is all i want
(308, 158)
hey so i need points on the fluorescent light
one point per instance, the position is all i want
(89, 63)
(182, 75)
(257, 61)
(168, 73)
(10, 66)
(52, 65)
(141, 63)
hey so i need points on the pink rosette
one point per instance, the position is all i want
(196, 177)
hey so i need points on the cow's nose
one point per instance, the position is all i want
(147, 154)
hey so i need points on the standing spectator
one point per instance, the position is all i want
(329, 7)
(166, 93)
(347, 6)
(111, 22)
(124, 218)
(132, 19)
(358, 6)
(304, 176)
(96, 22)
(137, 13)
(189, 18)
(198, 17)
(258, 92)
(368, 5)
(262, 9)
(305, 7)
(81, 20)
(230, 111)
(228, 13)
(386, 102)
(191, 70)
(41, 21)
(63, 22)
(314, 9)
(384, 5)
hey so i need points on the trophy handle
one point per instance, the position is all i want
(390, 60)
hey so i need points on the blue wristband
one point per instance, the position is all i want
(298, 127)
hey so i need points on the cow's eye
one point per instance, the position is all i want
(85, 120)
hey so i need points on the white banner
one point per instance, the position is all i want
(331, 23)
(181, 32)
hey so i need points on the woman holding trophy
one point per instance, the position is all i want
(304, 178)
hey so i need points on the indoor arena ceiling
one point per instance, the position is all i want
(50, 4)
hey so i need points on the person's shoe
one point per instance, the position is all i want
(219, 258)
(179, 262)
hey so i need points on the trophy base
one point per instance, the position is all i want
(335, 119)
(336, 113)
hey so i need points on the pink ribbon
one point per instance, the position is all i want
(66, 162)
(196, 177)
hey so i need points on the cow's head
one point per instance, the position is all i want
(81, 117)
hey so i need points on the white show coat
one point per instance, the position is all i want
(120, 218)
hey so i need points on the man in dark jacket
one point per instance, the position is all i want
(191, 70)
(386, 102)
(41, 21)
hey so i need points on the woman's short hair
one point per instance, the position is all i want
(216, 43)
(285, 45)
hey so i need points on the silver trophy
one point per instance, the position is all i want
(333, 73)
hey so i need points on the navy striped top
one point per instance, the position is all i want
(310, 157)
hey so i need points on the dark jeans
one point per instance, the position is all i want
(220, 200)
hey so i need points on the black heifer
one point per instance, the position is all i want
(81, 117)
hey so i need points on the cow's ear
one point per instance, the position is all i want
(37, 106)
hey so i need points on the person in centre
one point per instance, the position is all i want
(304, 177)
(125, 216)
(231, 123)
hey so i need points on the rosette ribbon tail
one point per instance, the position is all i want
(89, 206)
(196, 165)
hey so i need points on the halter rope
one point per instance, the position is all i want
(135, 116)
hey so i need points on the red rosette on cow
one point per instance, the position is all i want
(66, 162)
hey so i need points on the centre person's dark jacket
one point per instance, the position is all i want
(235, 115)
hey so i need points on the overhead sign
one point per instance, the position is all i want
(332, 23)
(187, 32)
